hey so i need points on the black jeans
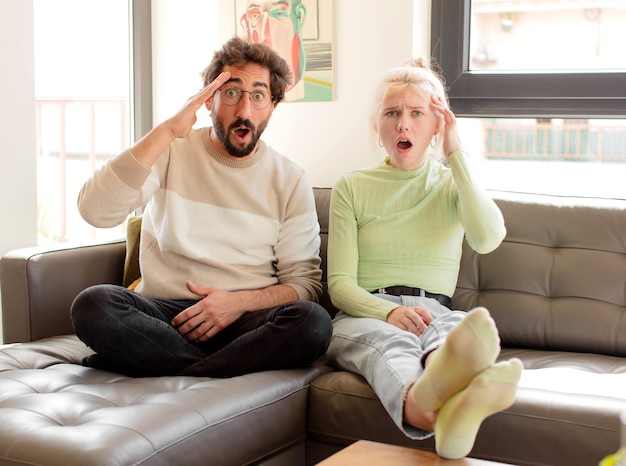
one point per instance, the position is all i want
(132, 334)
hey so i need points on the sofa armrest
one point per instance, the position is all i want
(39, 284)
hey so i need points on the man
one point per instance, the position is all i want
(229, 245)
(278, 24)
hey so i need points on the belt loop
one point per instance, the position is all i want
(422, 293)
(382, 291)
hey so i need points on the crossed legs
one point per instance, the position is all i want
(462, 385)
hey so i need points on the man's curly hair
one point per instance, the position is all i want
(238, 51)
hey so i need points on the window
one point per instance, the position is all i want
(510, 36)
(540, 89)
(84, 109)
(591, 94)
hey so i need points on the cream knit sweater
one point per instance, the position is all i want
(230, 224)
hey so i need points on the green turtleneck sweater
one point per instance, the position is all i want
(395, 227)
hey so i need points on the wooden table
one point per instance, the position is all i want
(364, 452)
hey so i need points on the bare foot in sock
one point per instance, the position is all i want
(470, 348)
(460, 417)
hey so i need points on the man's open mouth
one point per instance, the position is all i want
(242, 132)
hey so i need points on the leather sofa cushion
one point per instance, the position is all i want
(51, 405)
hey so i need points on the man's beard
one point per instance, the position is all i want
(223, 135)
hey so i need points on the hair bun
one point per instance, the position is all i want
(419, 62)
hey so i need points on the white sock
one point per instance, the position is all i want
(469, 348)
(460, 417)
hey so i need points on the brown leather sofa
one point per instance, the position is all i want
(556, 288)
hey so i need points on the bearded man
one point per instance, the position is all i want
(229, 250)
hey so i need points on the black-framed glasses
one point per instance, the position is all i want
(232, 95)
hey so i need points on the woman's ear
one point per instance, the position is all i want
(374, 126)
(438, 126)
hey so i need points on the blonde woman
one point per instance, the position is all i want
(396, 231)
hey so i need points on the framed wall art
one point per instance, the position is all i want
(301, 32)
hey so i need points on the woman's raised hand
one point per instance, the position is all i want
(448, 129)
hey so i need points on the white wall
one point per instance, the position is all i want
(325, 138)
(18, 204)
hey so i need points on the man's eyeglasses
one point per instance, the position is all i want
(259, 98)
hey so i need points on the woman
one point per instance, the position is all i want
(396, 231)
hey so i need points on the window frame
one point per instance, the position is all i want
(141, 68)
(498, 94)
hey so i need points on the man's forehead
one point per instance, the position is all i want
(251, 74)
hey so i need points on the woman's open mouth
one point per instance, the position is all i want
(404, 144)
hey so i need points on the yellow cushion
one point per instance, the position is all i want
(131, 262)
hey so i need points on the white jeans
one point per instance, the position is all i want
(390, 359)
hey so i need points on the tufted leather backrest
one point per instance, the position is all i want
(322, 203)
(558, 281)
